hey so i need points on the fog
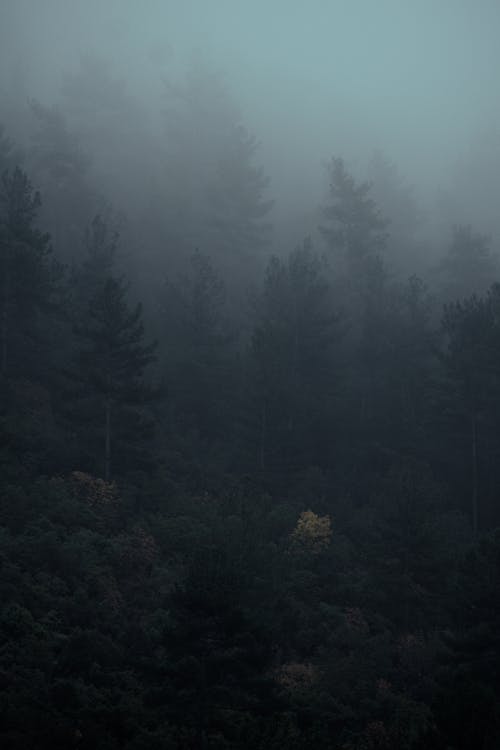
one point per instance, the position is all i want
(249, 374)
(414, 80)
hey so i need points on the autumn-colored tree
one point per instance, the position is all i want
(312, 533)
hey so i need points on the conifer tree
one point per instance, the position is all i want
(60, 166)
(100, 244)
(293, 359)
(352, 227)
(107, 393)
(397, 201)
(198, 352)
(214, 193)
(9, 155)
(112, 362)
(469, 329)
(238, 213)
(29, 274)
(470, 266)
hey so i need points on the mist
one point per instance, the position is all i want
(343, 78)
(249, 374)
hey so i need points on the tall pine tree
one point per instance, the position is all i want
(352, 226)
(29, 274)
(112, 362)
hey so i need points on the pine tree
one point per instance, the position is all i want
(86, 280)
(353, 227)
(9, 155)
(469, 327)
(101, 244)
(397, 201)
(214, 193)
(30, 312)
(29, 274)
(294, 364)
(469, 267)
(398, 364)
(198, 353)
(471, 195)
(237, 222)
(60, 166)
(467, 708)
(112, 363)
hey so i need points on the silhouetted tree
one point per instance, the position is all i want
(237, 224)
(100, 243)
(213, 193)
(468, 328)
(293, 356)
(111, 126)
(112, 362)
(469, 267)
(29, 274)
(199, 353)
(396, 201)
(9, 154)
(60, 167)
(352, 227)
(467, 705)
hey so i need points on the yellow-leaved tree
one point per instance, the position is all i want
(312, 533)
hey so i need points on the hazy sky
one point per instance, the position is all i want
(415, 77)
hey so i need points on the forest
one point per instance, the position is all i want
(249, 429)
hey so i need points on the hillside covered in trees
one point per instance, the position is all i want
(249, 460)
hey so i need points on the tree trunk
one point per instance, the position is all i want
(202, 709)
(406, 555)
(5, 317)
(107, 442)
(475, 474)
(263, 431)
